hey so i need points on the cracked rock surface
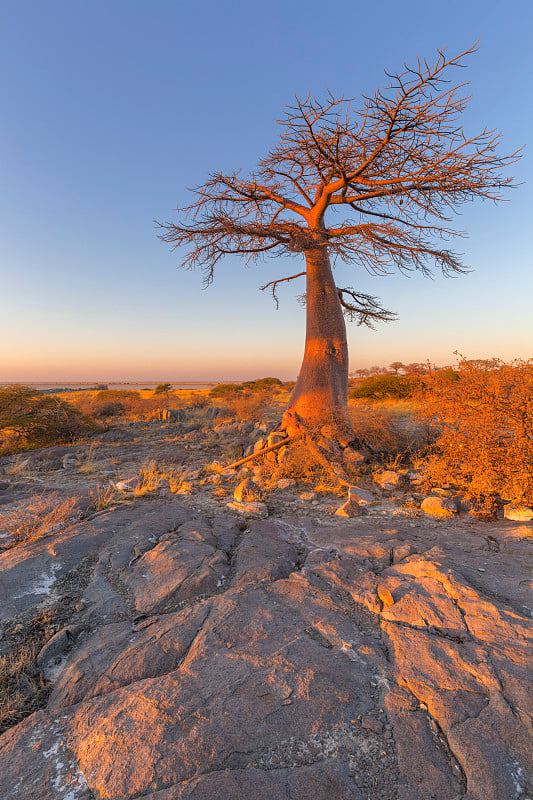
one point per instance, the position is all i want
(279, 659)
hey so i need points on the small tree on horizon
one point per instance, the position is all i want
(372, 186)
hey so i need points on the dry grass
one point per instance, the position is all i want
(123, 403)
(43, 514)
(296, 463)
(249, 406)
(154, 476)
(390, 426)
(22, 690)
(89, 465)
(104, 496)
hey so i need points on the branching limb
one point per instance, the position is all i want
(273, 285)
(362, 308)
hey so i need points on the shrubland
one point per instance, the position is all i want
(29, 418)
(482, 424)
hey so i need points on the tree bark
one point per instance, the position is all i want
(321, 390)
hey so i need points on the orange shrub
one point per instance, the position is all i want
(483, 424)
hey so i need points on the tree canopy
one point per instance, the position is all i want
(375, 181)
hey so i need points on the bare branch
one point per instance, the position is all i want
(397, 161)
(273, 285)
(364, 309)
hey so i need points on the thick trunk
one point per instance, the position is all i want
(320, 394)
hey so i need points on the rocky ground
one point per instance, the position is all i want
(202, 652)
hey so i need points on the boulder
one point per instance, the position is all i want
(518, 513)
(248, 490)
(439, 506)
(387, 478)
(348, 510)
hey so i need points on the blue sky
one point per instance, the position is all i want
(111, 110)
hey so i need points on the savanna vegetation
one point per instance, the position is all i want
(470, 427)
(29, 418)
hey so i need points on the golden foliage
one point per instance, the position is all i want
(483, 424)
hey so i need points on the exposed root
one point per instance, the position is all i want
(325, 445)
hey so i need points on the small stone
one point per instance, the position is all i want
(385, 596)
(275, 438)
(517, 513)
(128, 485)
(348, 510)
(286, 483)
(439, 506)
(248, 490)
(360, 496)
(257, 510)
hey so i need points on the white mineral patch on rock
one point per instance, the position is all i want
(43, 584)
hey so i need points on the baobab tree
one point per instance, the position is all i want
(371, 184)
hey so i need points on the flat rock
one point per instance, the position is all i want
(282, 659)
(360, 496)
(252, 509)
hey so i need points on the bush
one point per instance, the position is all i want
(29, 418)
(121, 403)
(261, 384)
(163, 388)
(483, 423)
(225, 390)
(379, 387)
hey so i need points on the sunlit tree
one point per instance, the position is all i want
(372, 184)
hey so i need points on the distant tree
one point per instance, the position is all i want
(373, 186)
(396, 366)
(416, 368)
(163, 388)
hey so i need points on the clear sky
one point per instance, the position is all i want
(110, 110)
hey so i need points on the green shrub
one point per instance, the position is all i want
(225, 389)
(261, 383)
(379, 387)
(163, 388)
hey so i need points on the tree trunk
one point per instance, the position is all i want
(321, 390)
